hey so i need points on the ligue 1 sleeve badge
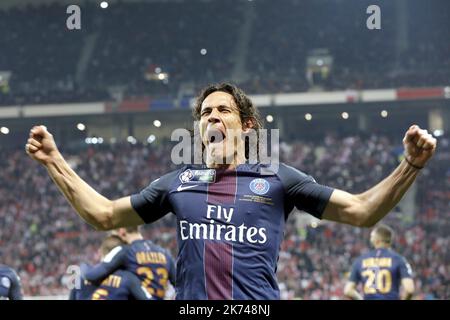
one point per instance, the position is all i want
(6, 282)
(186, 176)
(259, 186)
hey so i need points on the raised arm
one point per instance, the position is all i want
(95, 209)
(369, 207)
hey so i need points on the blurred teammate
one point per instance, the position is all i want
(10, 288)
(382, 271)
(118, 285)
(152, 264)
(231, 214)
(84, 292)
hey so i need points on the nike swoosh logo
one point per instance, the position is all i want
(181, 188)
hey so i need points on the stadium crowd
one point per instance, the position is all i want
(41, 234)
(120, 49)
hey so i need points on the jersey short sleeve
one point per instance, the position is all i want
(303, 192)
(405, 269)
(151, 203)
(11, 282)
(355, 275)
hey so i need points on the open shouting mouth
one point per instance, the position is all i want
(215, 136)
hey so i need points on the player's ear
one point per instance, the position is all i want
(122, 233)
(248, 124)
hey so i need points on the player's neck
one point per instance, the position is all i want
(225, 165)
(134, 237)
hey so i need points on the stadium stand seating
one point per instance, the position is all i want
(46, 58)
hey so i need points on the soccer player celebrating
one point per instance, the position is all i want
(152, 264)
(230, 213)
(10, 288)
(382, 271)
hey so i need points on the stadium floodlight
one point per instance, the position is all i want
(88, 140)
(157, 123)
(308, 117)
(104, 4)
(157, 75)
(269, 118)
(447, 92)
(344, 115)
(203, 51)
(384, 113)
(4, 130)
(151, 138)
(100, 140)
(94, 140)
(131, 140)
(438, 133)
(81, 127)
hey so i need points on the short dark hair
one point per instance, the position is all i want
(247, 110)
(134, 229)
(109, 243)
(385, 233)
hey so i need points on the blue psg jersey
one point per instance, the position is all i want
(230, 225)
(121, 285)
(86, 288)
(84, 292)
(380, 271)
(10, 287)
(153, 265)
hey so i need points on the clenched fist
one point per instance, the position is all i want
(40, 145)
(419, 146)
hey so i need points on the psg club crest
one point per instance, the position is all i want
(6, 283)
(186, 176)
(259, 186)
